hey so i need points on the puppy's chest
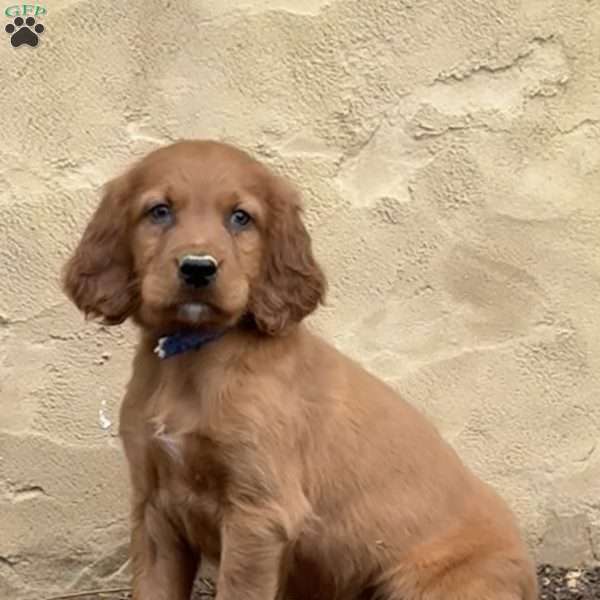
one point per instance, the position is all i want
(190, 482)
(184, 455)
(175, 419)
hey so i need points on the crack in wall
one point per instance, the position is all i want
(454, 77)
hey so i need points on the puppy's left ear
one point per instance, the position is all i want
(291, 284)
(99, 277)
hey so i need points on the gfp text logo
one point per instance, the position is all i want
(23, 10)
(24, 30)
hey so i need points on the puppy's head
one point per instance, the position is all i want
(197, 234)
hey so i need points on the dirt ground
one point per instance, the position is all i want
(569, 584)
(556, 583)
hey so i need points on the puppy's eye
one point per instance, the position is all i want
(239, 219)
(161, 214)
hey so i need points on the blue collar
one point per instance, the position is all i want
(183, 341)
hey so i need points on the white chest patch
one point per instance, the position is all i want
(171, 443)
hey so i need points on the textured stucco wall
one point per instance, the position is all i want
(449, 155)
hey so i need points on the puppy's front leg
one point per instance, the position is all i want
(253, 549)
(164, 567)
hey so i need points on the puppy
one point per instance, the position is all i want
(250, 440)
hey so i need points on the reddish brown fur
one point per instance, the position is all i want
(306, 476)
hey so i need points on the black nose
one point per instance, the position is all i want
(196, 270)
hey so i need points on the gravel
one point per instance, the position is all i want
(556, 583)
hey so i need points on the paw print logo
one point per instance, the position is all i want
(24, 32)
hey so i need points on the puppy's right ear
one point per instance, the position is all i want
(99, 277)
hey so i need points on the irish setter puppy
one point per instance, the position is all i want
(250, 440)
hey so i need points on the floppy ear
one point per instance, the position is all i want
(99, 277)
(291, 284)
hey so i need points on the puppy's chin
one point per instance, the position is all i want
(185, 315)
(193, 313)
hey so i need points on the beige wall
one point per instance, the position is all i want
(449, 154)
